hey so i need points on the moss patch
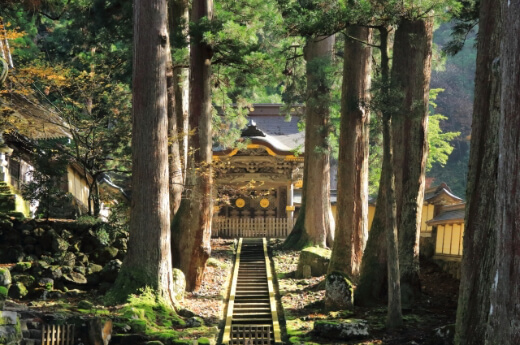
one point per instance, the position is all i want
(323, 252)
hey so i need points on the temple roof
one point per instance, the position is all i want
(267, 127)
(441, 195)
(33, 120)
(449, 214)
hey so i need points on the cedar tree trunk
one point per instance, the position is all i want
(179, 19)
(317, 220)
(410, 75)
(479, 245)
(504, 313)
(192, 223)
(394, 315)
(174, 158)
(148, 261)
(352, 216)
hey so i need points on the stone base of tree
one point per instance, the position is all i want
(179, 284)
(314, 262)
(345, 330)
(339, 292)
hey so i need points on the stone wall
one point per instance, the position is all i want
(46, 256)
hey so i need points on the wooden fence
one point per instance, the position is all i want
(251, 227)
(57, 334)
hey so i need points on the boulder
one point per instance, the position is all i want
(110, 271)
(345, 330)
(10, 328)
(179, 284)
(25, 279)
(18, 290)
(316, 258)
(339, 292)
(5, 277)
(75, 277)
(69, 259)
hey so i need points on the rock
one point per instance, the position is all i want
(18, 291)
(5, 277)
(194, 321)
(339, 292)
(80, 269)
(10, 328)
(93, 268)
(186, 313)
(82, 258)
(179, 284)
(316, 258)
(84, 304)
(346, 330)
(443, 335)
(75, 277)
(110, 271)
(22, 266)
(59, 245)
(25, 279)
(107, 254)
(69, 259)
(56, 272)
(46, 283)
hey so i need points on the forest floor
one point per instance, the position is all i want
(302, 303)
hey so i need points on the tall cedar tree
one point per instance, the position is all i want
(478, 262)
(410, 77)
(174, 154)
(352, 217)
(148, 261)
(394, 316)
(191, 231)
(315, 214)
(504, 317)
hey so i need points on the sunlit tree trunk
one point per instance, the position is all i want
(317, 221)
(179, 23)
(192, 223)
(478, 262)
(148, 261)
(411, 69)
(352, 206)
(174, 158)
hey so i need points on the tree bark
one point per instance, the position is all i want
(174, 157)
(179, 22)
(148, 261)
(410, 76)
(479, 245)
(504, 312)
(192, 224)
(394, 314)
(352, 217)
(317, 223)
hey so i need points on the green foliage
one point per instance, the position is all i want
(44, 187)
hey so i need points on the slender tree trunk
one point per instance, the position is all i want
(352, 225)
(317, 221)
(410, 75)
(394, 316)
(179, 22)
(174, 158)
(192, 224)
(504, 313)
(148, 261)
(478, 262)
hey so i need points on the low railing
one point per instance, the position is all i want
(251, 227)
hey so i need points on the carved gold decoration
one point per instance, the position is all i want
(264, 203)
(240, 202)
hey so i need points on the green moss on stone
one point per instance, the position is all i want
(323, 252)
(203, 341)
